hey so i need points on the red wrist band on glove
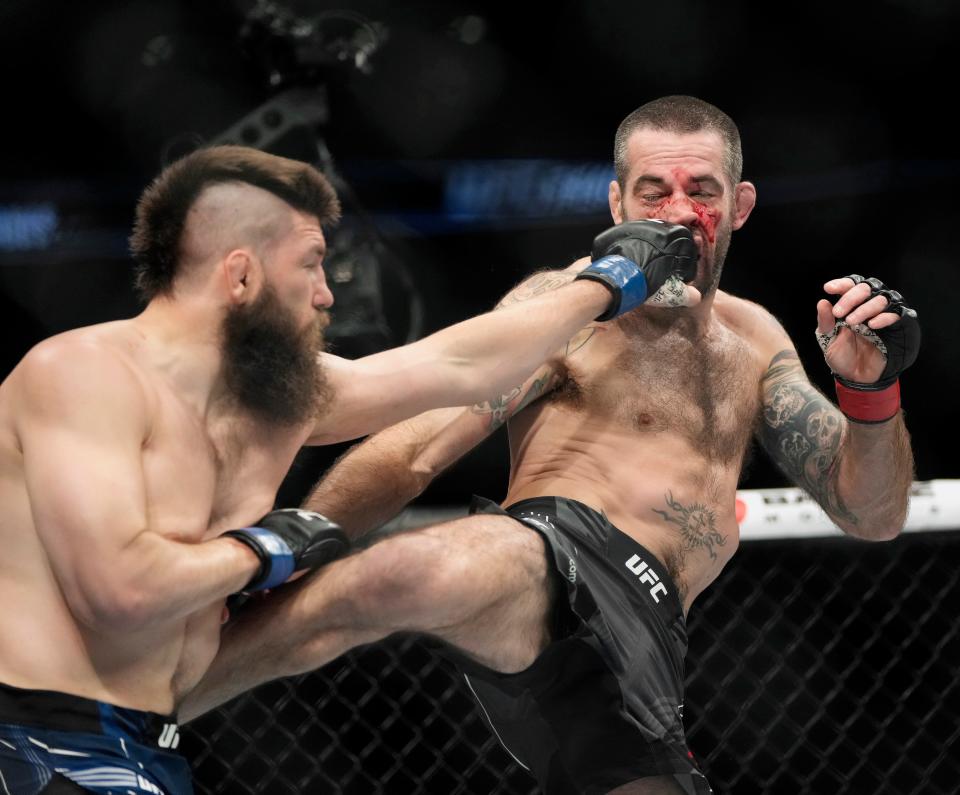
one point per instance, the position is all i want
(869, 405)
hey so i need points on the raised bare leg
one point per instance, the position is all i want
(480, 583)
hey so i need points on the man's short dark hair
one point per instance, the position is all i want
(157, 239)
(679, 114)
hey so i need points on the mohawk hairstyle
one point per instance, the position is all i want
(162, 209)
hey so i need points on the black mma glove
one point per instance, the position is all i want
(899, 344)
(290, 540)
(636, 259)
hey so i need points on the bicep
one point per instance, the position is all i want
(500, 408)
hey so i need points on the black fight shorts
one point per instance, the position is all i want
(602, 704)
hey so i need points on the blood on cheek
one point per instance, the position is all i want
(708, 218)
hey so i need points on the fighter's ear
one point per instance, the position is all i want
(744, 199)
(240, 274)
(614, 198)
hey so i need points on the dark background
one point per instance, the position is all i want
(845, 112)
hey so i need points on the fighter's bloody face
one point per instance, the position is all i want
(680, 178)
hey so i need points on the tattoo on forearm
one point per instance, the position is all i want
(498, 408)
(502, 408)
(697, 523)
(538, 284)
(803, 432)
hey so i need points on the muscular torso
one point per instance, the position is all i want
(649, 423)
(201, 475)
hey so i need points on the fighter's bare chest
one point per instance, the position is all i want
(704, 389)
(202, 479)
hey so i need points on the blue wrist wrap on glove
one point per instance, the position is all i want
(282, 562)
(635, 259)
(626, 274)
(289, 540)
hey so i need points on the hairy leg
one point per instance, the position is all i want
(480, 583)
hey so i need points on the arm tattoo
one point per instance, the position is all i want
(803, 432)
(502, 408)
(698, 525)
(538, 284)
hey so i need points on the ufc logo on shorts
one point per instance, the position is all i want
(169, 737)
(647, 575)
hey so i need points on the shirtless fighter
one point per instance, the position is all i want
(566, 608)
(129, 450)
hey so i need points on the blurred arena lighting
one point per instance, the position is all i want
(514, 191)
(26, 227)
(470, 29)
(496, 189)
(148, 72)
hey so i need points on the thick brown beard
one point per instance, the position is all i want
(271, 368)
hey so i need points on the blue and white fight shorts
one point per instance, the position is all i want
(55, 743)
